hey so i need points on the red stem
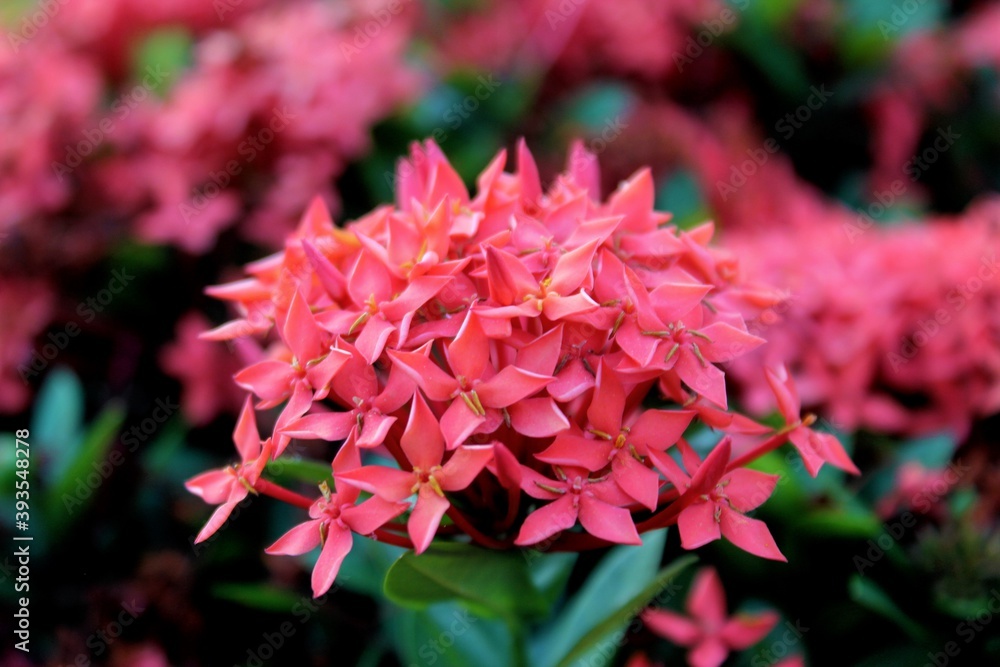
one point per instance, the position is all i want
(282, 494)
(391, 538)
(479, 538)
(769, 445)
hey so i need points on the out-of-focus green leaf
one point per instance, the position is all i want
(286, 470)
(161, 58)
(363, 570)
(259, 596)
(65, 495)
(622, 574)
(57, 421)
(549, 572)
(490, 582)
(681, 195)
(597, 106)
(599, 637)
(868, 594)
(931, 452)
(449, 635)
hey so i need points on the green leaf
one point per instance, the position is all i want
(448, 635)
(494, 583)
(868, 594)
(364, 568)
(259, 596)
(622, 574)
(84, 463)
(933, 451)
(615, 622)
(161, 58)
(57, 422)
(549, 573)
(286, 470)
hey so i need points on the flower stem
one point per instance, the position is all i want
(478, 537)
(282, 494)
(769, 445)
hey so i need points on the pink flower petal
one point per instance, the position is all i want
(546, 521)
(607, 522)
(338, 545)
(751, 535)
(426, 517)
(301, 539)
(697, 525)
(463, 466)
(537, 417)
(672, 626)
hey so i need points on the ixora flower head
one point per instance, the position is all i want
(528, 359)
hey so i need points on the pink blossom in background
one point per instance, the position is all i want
(893, 329)
(205, 370)
(25, 310)
(706, 629)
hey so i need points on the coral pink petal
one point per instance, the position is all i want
(509, 386)
(388, 483)
(639, 482)
(463, 467)
(374, 427)
(422, 441)
(469, 353)
(338, 545)
(672, 626)
(707, 381)
(751, 535)
(245, 435)
(608, 404)
(697, 525)
(541, 355)
(546, 521)
(709, 653)
(299, 540)
(426, 517)
(744, 630)
(459, 422)
(373, 338)
(435, 383)
(607, 522)
(748, 489)
(537, 417)
(213, 486)
(634, 343)
(659, 429)
(300, 331)
(372, 514)
(219, 517)
(269, 379)
(573, 308)
(329, 426)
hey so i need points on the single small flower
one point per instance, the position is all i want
(815, 447)
(714, 502)
(430, 477)
(596, 503)
(334, 517)
(707, 630)
(620, 437)
(476, 390)
(231, 485)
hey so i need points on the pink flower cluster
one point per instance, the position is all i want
(640, 38)
(500, 349)
(893, 329)
(91, 157)
(249, 127)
